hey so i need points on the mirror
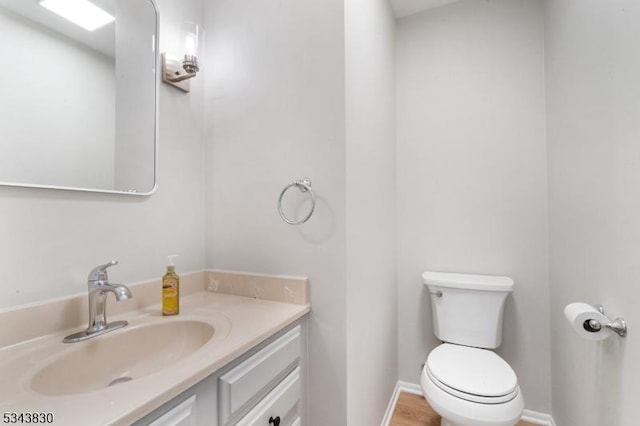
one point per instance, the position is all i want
(78, 108)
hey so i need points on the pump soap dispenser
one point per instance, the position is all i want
(171, 289)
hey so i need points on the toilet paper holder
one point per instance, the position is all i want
(618, 326)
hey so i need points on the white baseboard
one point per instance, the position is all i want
(528, 415)
(538, 418)
(400, 387)
(392, 404)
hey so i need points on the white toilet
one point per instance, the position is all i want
(463, 380)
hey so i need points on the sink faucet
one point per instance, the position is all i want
(99, 287)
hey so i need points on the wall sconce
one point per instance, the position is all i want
(178, 72)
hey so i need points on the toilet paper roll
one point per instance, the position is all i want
(579, 315)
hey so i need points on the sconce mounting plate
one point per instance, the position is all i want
(174, 74)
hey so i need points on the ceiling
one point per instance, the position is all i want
(402, 8)
(102, 39)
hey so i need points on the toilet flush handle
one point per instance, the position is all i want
(436, 293)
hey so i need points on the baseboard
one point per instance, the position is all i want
(528, 415)
(400, 387)
(409, 388)
(392, 404)
(538, 418)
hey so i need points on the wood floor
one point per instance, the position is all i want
(413, 410)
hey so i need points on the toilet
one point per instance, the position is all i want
(463, 379)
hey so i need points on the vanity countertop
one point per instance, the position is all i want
(240, 323)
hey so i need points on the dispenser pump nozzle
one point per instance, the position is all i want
(170, 266)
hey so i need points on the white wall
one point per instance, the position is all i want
(471, 173)
(371, 210)
(275, 112)
(49, 240)
(593, 98)
(57, 108)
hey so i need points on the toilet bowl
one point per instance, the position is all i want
(471, 387)
(463, 379)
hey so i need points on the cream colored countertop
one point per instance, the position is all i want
(240, 324)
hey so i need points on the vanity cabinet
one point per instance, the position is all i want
(280, 407)
(180, 415)
(264, 387)
(264, 379)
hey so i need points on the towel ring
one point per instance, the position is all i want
(304, 185)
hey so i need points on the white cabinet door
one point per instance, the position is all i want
(182, 414)
(253, 378)
(282, 403)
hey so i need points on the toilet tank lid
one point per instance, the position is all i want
(468, 281)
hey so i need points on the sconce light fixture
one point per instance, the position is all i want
(178, 72)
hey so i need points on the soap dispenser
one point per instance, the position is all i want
(171, 289)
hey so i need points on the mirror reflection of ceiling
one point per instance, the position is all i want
(403, 8)
(102, 39)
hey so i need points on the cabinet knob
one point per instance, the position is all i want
(276, 421)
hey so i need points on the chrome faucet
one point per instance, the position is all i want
(99, 288)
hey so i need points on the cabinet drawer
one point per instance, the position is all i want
(252, 379)
(181, 415)
(282, 402)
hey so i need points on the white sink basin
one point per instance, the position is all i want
(121, 356)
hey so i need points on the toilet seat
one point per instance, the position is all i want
(472, 374)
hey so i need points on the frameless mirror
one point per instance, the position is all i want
(78, 97)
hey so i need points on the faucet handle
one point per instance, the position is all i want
(99, 273)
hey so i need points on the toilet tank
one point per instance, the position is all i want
(468, 309)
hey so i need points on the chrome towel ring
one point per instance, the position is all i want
(304, 185)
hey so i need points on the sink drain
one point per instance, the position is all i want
(120, 380)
